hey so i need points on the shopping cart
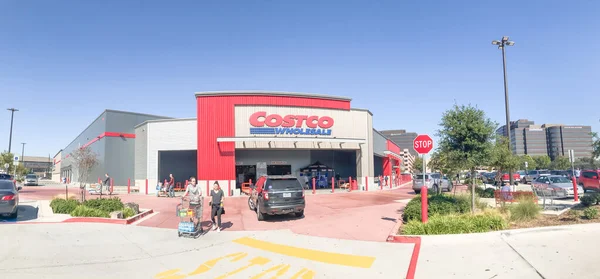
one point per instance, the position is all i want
(186, 214)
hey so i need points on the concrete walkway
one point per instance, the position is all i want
(111, 251)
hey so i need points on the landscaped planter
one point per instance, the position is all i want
(143, 213)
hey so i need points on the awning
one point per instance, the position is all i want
(290, 139)
(392, 154)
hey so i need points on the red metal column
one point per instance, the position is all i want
(314, 185)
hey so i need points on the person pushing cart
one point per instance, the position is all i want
(196, 202)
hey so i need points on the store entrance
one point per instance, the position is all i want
(279, 169)
(244, 173)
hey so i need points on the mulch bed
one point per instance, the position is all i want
(571, 217)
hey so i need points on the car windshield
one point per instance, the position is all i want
(5, 176)
(283, 184)
(31, 176)
(532, 172)
(6, 185)
(559, 180)
(419, 176)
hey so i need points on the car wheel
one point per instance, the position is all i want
(449, 188)
(14, 215)
(259, 214)
(417, 192)
(251, 204)
(299, 214)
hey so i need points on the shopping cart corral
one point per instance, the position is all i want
(186, 213)
(548, 193)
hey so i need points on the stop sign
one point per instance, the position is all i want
(423, 144)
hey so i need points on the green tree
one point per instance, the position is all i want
(466, 138)
(531, 165)
(7, 158)
(22, 170)
(502, 157)
(595, 145)
(586, 163)
(542, 162)
(84, 160)
(417, 165)
(438, 162)
(560, 163)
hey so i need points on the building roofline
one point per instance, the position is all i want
(360, 109)
(61, 150)
(271, 93)
(137, 113)
(164, 120)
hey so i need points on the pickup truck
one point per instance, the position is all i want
(516, 177)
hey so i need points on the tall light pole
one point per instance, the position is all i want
(502, 46)
(23, 152)
(12, 115)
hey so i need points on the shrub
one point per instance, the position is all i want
(588, 200)
(85, 211)
(438, 205)
(526, 209)
(488, 193)
(62, 206)
(590, 213)
(106, 205)
(456, 224)
(128, 212)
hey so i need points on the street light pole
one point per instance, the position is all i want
(12, 115)
(502, 45)
(23, 152)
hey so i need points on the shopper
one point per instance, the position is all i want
(106, 183)
(216, 205)
(171, 186)
(196, 201)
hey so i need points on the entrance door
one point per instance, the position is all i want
(244, 173)
(279, 169)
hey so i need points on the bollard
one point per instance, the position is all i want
(146, 186)
(208, 188)
(314, 181)
(424, 204)
(391, 182)
(112, 185)
(575, 192)
(186, 183)
(367, 184)
(229, 188)
(128, 185)
(349, 183)
(332, 184)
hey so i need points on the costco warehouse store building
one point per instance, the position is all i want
(238, 136)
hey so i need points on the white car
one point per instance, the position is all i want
(31, 180)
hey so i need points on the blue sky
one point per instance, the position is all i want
(63, 62)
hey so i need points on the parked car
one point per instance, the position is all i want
(565, 173)
(590, 180)
(557, 183)
(277, 195)
(4, 176)
(488, 177)
(433, 181)
(9, 198)
(516, 177)
(31, 180)
(533, 175)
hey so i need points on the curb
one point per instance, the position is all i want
(108, 220)
(393, 237)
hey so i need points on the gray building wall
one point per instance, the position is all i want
(141, 152)
(379, 144)
(535, 142)
(115, 154)
(181, 163)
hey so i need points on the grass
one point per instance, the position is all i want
(457, 224)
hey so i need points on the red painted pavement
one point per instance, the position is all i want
(357, 215)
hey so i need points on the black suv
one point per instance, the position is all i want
(277, 195)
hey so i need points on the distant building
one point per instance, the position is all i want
(548, 139)
(402, 138)
(42, 166)
(407, 161)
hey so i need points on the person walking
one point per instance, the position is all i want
(106, 183)
(196, 201)
(216, 205)
(171, 186)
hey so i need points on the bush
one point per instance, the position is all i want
(106, 205)
(438, 205)
(588, 200)
(488, 193)
(62, 206)
(526, 209)
(85, 211)
(128, 212)
(456, 224)
(590, 213)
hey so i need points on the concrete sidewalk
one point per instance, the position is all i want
(111, 251)
(551, 253)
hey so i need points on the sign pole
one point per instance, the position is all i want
(423, 145)
(573, 178)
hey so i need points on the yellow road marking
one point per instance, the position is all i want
(308, 254)
(253, 262)
(281, 270)
(208, 265)
(304, 273)
(170, 274)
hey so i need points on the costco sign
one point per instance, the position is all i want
(275, 124)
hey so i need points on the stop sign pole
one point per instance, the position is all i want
(423, 145)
